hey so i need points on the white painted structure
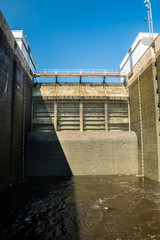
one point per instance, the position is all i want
(24, 46)
(139, 46)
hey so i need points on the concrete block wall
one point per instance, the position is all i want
(15, 107)
(144, 111)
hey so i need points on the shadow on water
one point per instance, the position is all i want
(43, 207)
(81, 208)
(40, 208)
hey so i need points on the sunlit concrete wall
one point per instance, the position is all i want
(144, 110)
(80, 107)
(15, 107)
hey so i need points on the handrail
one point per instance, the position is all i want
(79, 72)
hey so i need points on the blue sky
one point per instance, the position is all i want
(79, 34)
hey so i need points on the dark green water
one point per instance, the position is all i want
(82, 208)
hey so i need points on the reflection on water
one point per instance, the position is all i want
(82, 208)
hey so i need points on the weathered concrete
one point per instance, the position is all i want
(144, 111)
(82, 153)
(80, 91)
(78, 107)
(15, 107)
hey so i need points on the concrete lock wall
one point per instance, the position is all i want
(81, 129)
(15, 107)
(74, 125)
(57, 108)
(144, 91)
(81, 153)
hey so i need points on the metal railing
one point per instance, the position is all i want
(80, 73)
(66, 72)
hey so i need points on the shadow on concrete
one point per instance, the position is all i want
(50, 209)
(45, 156)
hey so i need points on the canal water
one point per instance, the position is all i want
(81, 208)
